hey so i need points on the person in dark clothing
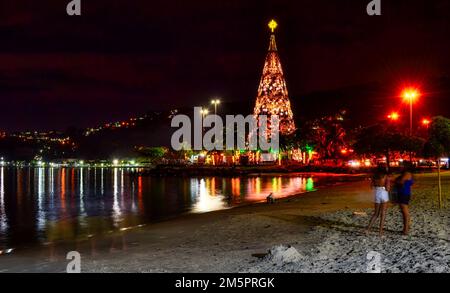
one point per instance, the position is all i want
(403, 185)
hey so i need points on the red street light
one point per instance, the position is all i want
(410, 95)
(394, 116)
(426, 122)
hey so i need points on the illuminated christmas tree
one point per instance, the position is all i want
(273, 98)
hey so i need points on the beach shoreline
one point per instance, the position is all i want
(321, 227)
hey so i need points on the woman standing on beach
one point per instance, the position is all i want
(403, 185)
(381, 184)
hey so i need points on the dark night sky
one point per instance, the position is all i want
(127, 57)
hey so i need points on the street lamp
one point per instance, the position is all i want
(410, 95)
(394, 116)
(204, 112)
(216, 103)
(426, 122)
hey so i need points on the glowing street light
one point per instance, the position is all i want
(426, 122)
(394, 116)
(204, 112)
(216, 103)
(410, 95)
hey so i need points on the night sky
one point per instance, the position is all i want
(123, 58)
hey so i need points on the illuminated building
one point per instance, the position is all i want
(273, 97)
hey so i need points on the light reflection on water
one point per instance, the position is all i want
(3, 222)
(45, 205)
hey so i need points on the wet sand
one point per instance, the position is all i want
(320, 226)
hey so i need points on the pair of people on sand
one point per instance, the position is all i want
(384, 190)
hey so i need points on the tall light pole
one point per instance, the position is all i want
(410, 96)
(410, 116)
(216, 103)
(204, 113)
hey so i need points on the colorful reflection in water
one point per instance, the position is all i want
(3, 221)
(45, 205)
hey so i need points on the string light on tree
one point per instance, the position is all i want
(273, 25)
(273, 96)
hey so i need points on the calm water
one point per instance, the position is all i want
(45, 205)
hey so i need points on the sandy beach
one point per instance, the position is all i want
(322, 231)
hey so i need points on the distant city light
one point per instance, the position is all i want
(115, 162)
(354, 164)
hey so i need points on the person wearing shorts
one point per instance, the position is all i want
(381, 186)
(381, 195)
